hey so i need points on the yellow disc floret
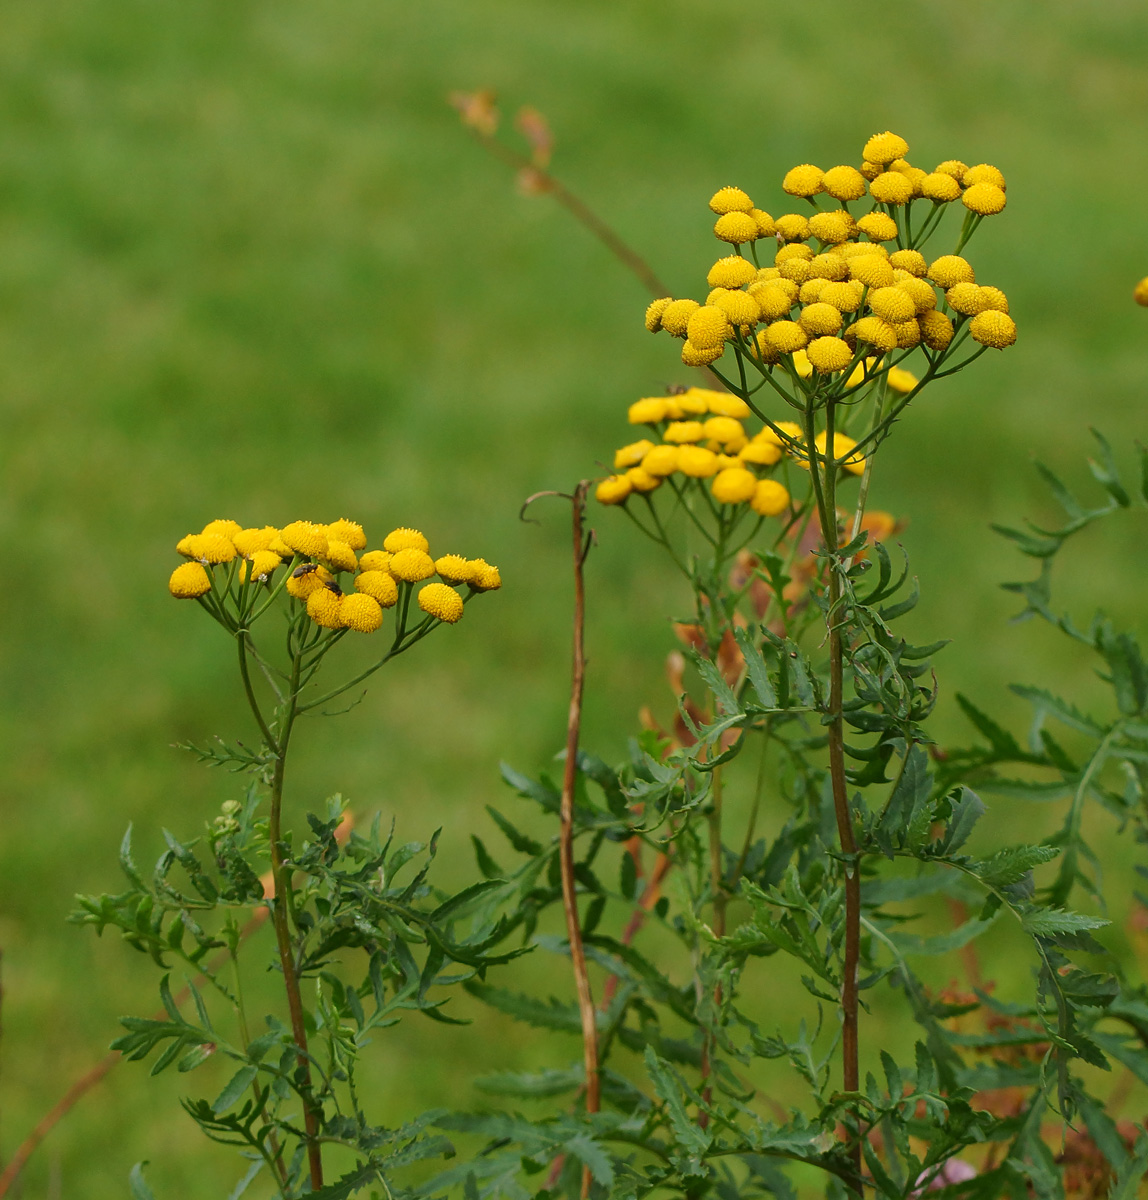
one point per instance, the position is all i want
(985, 199)
(662, 460)
(614, 489)
(189, 581)
(912, 261)
(405, 539)
(724, 404)
(733, 271)
(707, 327)
(696, 356)
(263, 562)
(739, 308)
(805, 180)
(819, 320)
(350, 533)
(677, 315)
(375, 560)
(697, 462)
(631, 455)
(878, 227)
(845, 296)
(983, 173)
(221, 528)
(360, 612)
(769, 498)
(830, 227)
(871, 270)
(992, 328)
(736, 228)
(854, 463)
(884, 148)
(936, 329)
(734, 485)
(829, 354)
(251, 541)
(486, 577)
(891, 188)
(786, 336)
(640, 481)
(1140, 292)
(680, 432)
(967, 299)
(900, 380)
(324, 607)
(647, 411)
(454, 568)
(730, 199)
(439, 600)
(379, 585)
(950, 269)
(844, 183)
(305, 537)
(307, 579)
(891, 304)
(792, 227)
(214, 548)
(340, 556)
(762, 454)
(412, 565)
(940, 188)
(875, 332)
(654, 313)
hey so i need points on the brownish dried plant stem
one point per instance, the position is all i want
(825, 491)
(566, 835)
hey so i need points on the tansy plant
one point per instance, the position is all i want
(749, 897)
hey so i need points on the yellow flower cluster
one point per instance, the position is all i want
(317, 555)
(833, 282)
(703, 436)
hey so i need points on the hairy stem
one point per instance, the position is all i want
(566, 841)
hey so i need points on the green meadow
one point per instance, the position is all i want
(252, 266)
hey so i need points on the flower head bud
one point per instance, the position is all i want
(412, 565)
(486, 577)
(891, 188)
(845, 296)
(734, 485)
(251, 541)
(221, 528)
(648, 411)
(324, 606)
(305, 537)
(676, 316)
(379, 585)
(792, 227)
(878, 227)
(642, 481)
(697, 356)
(950, 269)
(680, 432)
(940, 188)
(912, 261)
(350, 533)
(884, 148)
(786, 336)
(662, 460)
(985, 199)
(189, 581)
(936, 329)
(360, 612)
(707, 327)
(769, 498)
(340, 557)
(820, 319)
(697, 462)
(439, 600)
(614, 489)
(627, 456)
(730, 199)
(805, 180)
(405, 539)
(844, 183)
(733, 271)
(375, 560)
(891, 304)
(736, 228)
(983, 173)
(992, 328)
(654, 313)
(828, 354)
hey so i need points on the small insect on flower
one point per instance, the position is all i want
(324, 606)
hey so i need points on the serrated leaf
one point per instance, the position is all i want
(1047, 922)
(234, 1088)
(727, 703)
(692, 1138)
(756, 670)
(968, 808)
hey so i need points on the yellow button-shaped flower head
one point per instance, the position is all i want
(724, 461)
(439, 600)
(891, 188)
(891, 304)
(724, 430)
(828, 354)
(845, 297)
(263, 562)
(912, 261)
(920, 292)
(379, 585)
(375, 560)
(794, 269)
(642, 481)
(986, 199)
(730, 199)
(613, 490)
(221, 528)
(360, 612)
(677, 316)
(188, 581)
(901, 381)
(769, 498)
(662, 460)
(792, 250)
(739, 308)
(631, 455)
(324, 607)
(340, 556)
(307, 579)
(405, 539)
(251, 541)
(736, 228)
(412, 565)
(350, 533)
(844, 183)
(762, 454)
(876, 333)
(697, 462)
(983, 173)
(828, 266)
(871, 270)
(952, 167)
(772, 301)
(454, 568)
(786, 336)
(707, 327)
(883, 148)
(936, 329)
(810, 291)
(940, 188)
(992, 328)
(680, 432)
(696, 356)
(805, 180)
(842, 444)
(792, 227)
(966, 298)
(647, 411)
(214, 548)
(725, 404)
(878, 227)
(995, 298)
(734, 485)
(790, 433)
(908, 333)
(305, 537)
(186, 545)
(950, 269)
(767, 352)
(733, 271)
(486, 577)
(654, 313)
(1140, 292)
(830, 227)
(820, 320)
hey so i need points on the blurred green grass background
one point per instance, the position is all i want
(251, 266)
